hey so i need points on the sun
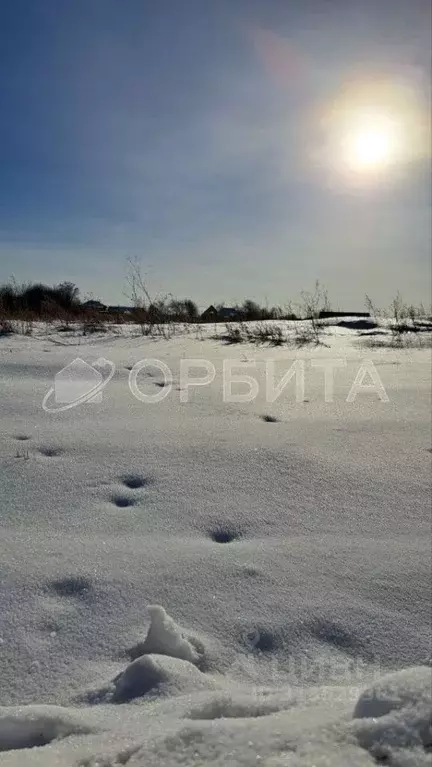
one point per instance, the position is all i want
(370, 149)
(369, 145)
(370, 133)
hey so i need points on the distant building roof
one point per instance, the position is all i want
(228, 311)
(211, 312)
(223, 313)
(93, 304)
(328, 314)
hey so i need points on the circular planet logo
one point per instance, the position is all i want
(77, 384)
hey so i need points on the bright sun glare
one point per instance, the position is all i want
(370, 148)
(369, 145)
(373, 129)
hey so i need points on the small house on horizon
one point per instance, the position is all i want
(120, 309)
(210, 314)
(227, 313)
(94, 306)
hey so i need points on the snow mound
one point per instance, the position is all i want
(32, 726)
(225, 725)
(394, 718)
(159, 674)
(164, 637)
(241, 706)
(409, 687)
(163, 665)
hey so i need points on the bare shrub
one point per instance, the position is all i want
(234, 334)
(399, 311)
(312, 304)
(403, 317)
(199, 333)
(6, 327)
(64, 327)
(22, 326)
(151, 314)
(305, 335)
(26, 326)
(373, 310)
(398, 341)
(243, 332)
(93, 324)
(266, 333)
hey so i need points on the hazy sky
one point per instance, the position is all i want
(202, 136)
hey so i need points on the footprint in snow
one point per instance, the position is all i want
(261, 639)
(71, 586)
(122, 501)
(135, 481)
(51, 452)
(224, 534)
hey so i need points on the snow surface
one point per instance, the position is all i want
(207, 582)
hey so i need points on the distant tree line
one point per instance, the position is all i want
(250, 310)
(34, 301)
(38, 299)
(186, 310)
(63, 301)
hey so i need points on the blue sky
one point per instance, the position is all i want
(189, 134)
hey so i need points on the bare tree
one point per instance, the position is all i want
(370, 306)
(313, 305)
(150, 312)
(137, 292)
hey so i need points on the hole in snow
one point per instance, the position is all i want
(223, 534)
(122, 502)
(336, 634)
(134, 481)
(72, 586)
(51, 452)
(261, 639)
(269, 419)
(266, 642)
